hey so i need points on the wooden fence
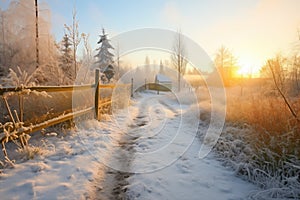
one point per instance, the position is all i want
(16, 129)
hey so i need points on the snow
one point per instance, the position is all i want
(105, 57)
(148, 151)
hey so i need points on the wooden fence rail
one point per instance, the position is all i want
(15, 129)
(47, 88)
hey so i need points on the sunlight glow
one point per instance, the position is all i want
(248, 68)
(244, 71)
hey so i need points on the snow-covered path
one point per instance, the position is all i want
(139, 168)
(148, 151)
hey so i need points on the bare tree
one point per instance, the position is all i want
(279, 71)
(226, 63)
(295, 67)
(87, 53)
(274, 66)
(178, 57)
(74, 35)
(294, 75)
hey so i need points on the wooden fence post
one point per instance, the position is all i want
(21, 107)
(131, 87)
(97, 94)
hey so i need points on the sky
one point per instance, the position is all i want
(253, 30)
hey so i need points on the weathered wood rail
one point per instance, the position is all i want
(47, 88)
(15, 128)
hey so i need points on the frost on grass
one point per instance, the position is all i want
(277, 175)
(30, 152)
(251, 144)
(18, 78)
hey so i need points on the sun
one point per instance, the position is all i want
(244, 71)
(247, 72)
(248, 69)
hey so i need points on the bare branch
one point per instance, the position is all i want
(281, 93)
(75, 37)
(178, 57)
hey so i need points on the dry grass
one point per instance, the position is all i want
(269, 116)
(264, 113)
(273, 140)
(29, 152)
(274, 126)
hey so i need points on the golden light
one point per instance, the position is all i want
(248, 68)
(244, 71)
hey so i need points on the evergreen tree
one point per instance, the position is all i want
(66, 57)
(105, 57)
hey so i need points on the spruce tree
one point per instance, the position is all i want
(66, 57)
(105, 58)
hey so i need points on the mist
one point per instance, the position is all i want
(18, 41)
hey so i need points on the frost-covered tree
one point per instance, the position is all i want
(104, 56)
(75, 39)
(17, 41)
(66, 58)
(87, 59)
(178, 57)
(18, 78)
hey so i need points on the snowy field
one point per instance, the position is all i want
(148, 151)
